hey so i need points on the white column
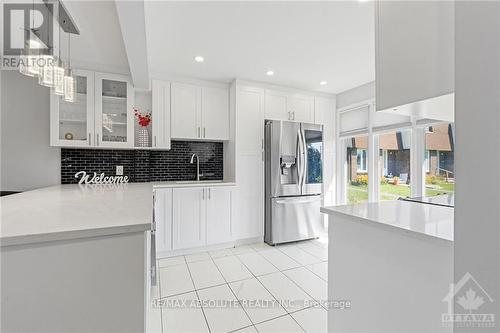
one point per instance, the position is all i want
(417, 162)
(477, 153)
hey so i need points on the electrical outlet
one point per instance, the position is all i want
(119, 170)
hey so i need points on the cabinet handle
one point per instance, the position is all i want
(204, 132)
(155, 140)
(209, 193)
(199, 135)
(203, 194)
(97, 140)
(288, 115)
(293, 115)
(90, 138)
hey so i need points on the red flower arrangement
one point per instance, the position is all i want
(143, 118)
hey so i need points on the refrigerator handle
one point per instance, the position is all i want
(304, 157)
(299, 160)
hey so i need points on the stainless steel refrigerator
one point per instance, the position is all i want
(293, 181)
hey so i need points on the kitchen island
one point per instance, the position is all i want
(77, 258)
(393, 262)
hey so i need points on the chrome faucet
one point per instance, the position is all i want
(197, 165)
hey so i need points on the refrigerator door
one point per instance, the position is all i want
(294, 218)
(283, 171)
(312, 145)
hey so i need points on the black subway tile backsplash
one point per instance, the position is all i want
(146, 165)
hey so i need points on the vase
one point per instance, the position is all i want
(143, 137)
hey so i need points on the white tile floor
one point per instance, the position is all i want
(252, 288)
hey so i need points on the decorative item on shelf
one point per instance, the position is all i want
(144, 119)
(68, 136)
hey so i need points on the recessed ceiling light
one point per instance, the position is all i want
(199, 59)
(269, 73)
(323, 83)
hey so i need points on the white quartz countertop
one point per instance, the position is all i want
(424, 219)
(79, 211)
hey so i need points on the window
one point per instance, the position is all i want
(361, 160)
(439, 159)
(357, 165)
(394, 164)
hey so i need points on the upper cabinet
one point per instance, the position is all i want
(100, 116)
(199, 112)
(72, 124)
(302, 108)
(414, 45)
(114, 117)
(324, 110)
(286, 106)
(276, 105)
(161, 114)
(215, 113)
(185, 111)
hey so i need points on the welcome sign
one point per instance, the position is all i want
(99, 179)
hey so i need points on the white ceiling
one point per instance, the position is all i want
(99, 45)
(302, 42)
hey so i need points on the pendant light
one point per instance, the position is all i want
(46, 63)
(29, 59)
(59, 71)
(69, 80)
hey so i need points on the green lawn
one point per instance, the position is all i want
(442, 187)
(357, 194)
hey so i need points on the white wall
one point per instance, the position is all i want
(27, 160)
(477, 154)
(362, 93)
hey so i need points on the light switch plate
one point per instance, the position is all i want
(119, 170)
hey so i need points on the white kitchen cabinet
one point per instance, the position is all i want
(219, 210)
(101, 115)
(114, 116)
(185, 111)
(324, 110)
(215, 113)
(276, 105)
(161, 114)
(287, 106)
(199, 112)
(72, 124)
(301, 108)
(249, 193)
(163, 219)
(188, 217)
(414, 51)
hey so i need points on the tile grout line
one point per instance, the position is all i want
(287, 313)
(197, 296)
(252, 250)
(255, 277)
(318, 302)
(239, 302)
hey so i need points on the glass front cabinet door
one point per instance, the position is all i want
(114, 117)
(72, 123)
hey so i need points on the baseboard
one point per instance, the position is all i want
(227, 245)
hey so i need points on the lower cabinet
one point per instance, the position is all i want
(218, 217)
(188, 217)
(193, 217)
